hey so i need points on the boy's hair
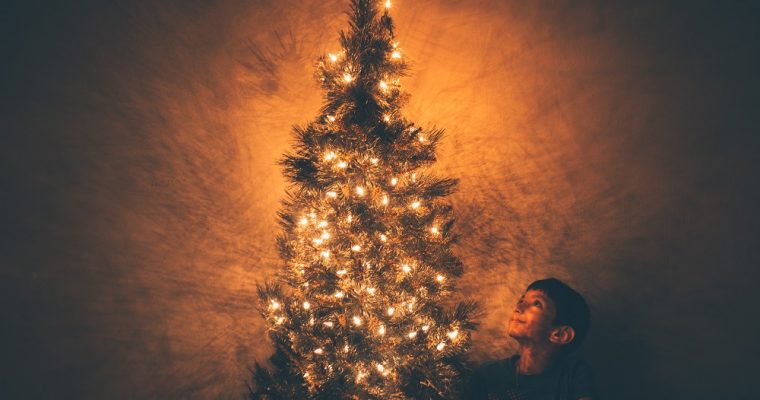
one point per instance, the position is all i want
(572, 309)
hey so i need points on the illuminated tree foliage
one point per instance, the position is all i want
(359, 308)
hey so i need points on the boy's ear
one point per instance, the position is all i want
(562, 335)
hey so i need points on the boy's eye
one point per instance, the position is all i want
(537, 303)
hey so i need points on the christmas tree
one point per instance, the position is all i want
(360, 308)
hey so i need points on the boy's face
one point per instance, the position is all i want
(532, 317)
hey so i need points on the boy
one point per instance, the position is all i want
(549, 322)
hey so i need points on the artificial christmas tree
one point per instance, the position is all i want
(359, 310)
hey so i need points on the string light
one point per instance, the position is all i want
(387, 118)
(331, 118)
(350, 217)
(330, 155)
(325, 235)
(416, 205)
(385, 199)
(391, 310)
(360, 191)
(332, 194)
(333, 57)
(319, 351)
(425, 328)
(396, 54)
(345, 349)
(328, 324)
(280, 320)
(371, 290)
(394, 181)
(434, 230)
(322, 224)
(275, 305)
(341, 272)
(388, 4)
(374, 161)
(356, 247)
(306, 305)
(311, 321)
(421, 138)
(381, 330)
(383, 237)
(383, 85)
(342, 164)
(303, 221)
(339, 294)
(440, 346)
(440, 278)
(317, 241)
(347, 77)
(357, 320)
(325, 253)
(453, 334)
(360, 376)
(412, 335)
(406, 268)
(380, 367)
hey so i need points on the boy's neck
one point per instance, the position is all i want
(534, 359)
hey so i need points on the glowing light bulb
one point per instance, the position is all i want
(345, 349)
(374, 160)
(325, 235)
(391, 310)
(275, 305)
(356, 247)
(328, 324)
(333, 57)
(303, 221)
(341, 272)
(387, 3)
(453, 334)
(385, 199)
(406, 268)
(371, 290)
(306, 305)
(383, 237)
(387, 118)
(440, 346)
(325, 254)
(360, 376)
(280, 320)
(396, 54)
(311, 321)
(342, 164)
(319, 351)
(425, 328)
(434, 230)
(339, 294)
(330, 155)
(440, 278)
(394, 181)
(380, 367)
(383, 85)
(313, 215)
(317, 241)
(347, 77)
(360, 191)
(412, 335)
(350, 218)
(381, 330)
(331, 194)
(357, 320)
(331, 118)
(416, 205)
(421, 138)
(322, 224)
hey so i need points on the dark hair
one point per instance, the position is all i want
(572, 309)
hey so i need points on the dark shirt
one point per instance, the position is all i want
(568, 379)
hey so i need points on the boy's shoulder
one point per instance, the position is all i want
(496, 367)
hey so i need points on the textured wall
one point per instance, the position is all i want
(608, 144)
